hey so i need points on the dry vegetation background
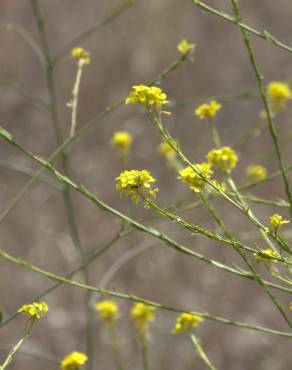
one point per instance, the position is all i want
(136, 47)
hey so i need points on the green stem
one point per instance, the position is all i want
(133, 298)
(11, 354)
(115, 345)
(261, 88)
(201, 353)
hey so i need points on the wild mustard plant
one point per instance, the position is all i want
(256, 172)
(193, 179)
(123, 141)
(278, 94)
(184, 46)
(139, 185)
(74, 361)
(223, 159)
(34, 310)
(186, 322)
(208, 110)
(136, 184)
(277, 221)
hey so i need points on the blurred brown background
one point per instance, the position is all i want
(134, 48)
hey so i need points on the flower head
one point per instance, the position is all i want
(136, 184)
(192, 178)
(186, 322)
(278, 94)
(108, 310)
(81, 55)
(122, 140)
(256, 172)
(73, 361)
(208, 110)
(35, 310)
(141, 315)
(147, 96)
(266, 256)
(223, 159)
(276, 221)
(184, 46)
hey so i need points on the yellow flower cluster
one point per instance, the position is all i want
(184, 46)
(141, 315)
(278, 94)
(166, 151)
(122, 140)
(108, 310)
(35, 310)
(256, 172)
(147, 96)
(266, 256)
(223, 159)
(186, 322)
(208, 110)
(276, 221)
(136, 184)
(81, 55)
(73, 361)
(192, 178)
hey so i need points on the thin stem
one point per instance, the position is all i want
(201, 353)
(11, 354)
(144, 351)
(74, 102)
(115, 346)
(133, 298)
(261, 88)
(263, 35)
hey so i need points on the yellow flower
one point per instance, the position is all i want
(184, 46)
(192, 178)
(208, 110)
(108, 310)
(256, 172)
(276, 221)
(186, 322)
(73, 361)
(141, 315)
(266, 256)
(35, 310)
(147, 96)
(223, 159)
(82, 55)
(136, 184)
(278, 94)
(123, 140)
(166, 150)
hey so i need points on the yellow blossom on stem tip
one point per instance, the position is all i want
(192, 178)
(136, 184)
(35, 310)
(186, 322)
(265, 256)
(223, 159)
(278, 94)
(81, 55)
(147, 96)
(122, 140)
(108, 310)
(74, 361)
(184, 46)
(276, 221)
(256, 172)
(208, 110)
(141, 315)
